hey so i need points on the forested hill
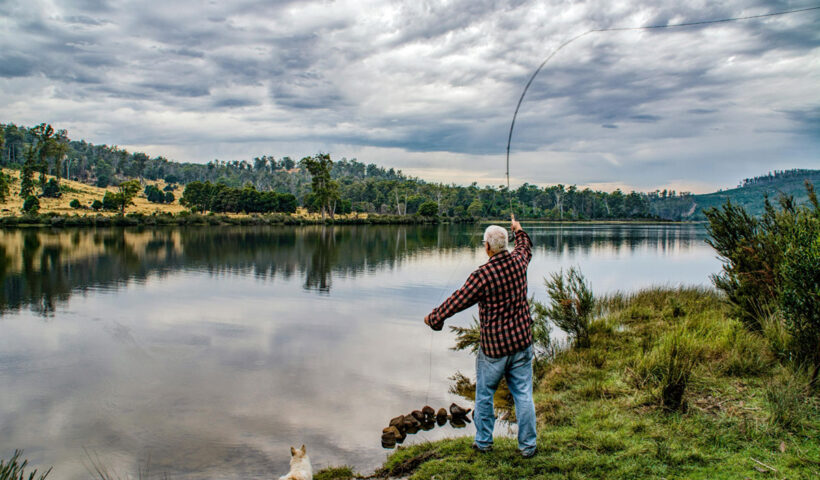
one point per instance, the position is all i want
(369, 188)
(752, 191)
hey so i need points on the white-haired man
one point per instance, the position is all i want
(500, 289)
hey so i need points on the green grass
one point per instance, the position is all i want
(739, 407)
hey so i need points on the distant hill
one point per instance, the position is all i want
(750, 195)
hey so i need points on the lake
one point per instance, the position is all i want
(207, 352)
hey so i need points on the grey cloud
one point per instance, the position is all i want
(609, 125)
(234, 103)
(645, 118)
(15, 65)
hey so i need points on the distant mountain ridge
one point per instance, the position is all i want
(751, 192)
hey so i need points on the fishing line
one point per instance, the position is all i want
(622, 29)
(444, 291)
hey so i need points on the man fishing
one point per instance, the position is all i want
(500, 289)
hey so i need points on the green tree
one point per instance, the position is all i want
(27, 172)
(74, 203)
(50, 145)
(325, 190)
(428, 209)
(31, 205)
(96, 205)
(5, 186)
(126, 191)
(51, 189)
(475, 208)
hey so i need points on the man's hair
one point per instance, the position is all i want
(496, 238)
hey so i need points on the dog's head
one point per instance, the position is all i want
(298, 454)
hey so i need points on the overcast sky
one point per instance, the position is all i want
(429, 87)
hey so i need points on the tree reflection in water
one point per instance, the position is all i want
(40, 268)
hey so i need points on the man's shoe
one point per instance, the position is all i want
(529, 454)
(482, 450)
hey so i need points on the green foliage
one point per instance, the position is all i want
(325, 190)
(335, 473)
(110, 201)
(773, 263)
(800, 285)
(154, 194)
(31, 205)
(27, 172)
(428, 209)
(468, 337)
(786, 400)
(75, 204)
(13, 469)
(222, 198)
(475, 208)
(97, 205)
(51, 189)
(5, 186)
(126, 191)
(667, 368)
(750, 258)
(571, 305)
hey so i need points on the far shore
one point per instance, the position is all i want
(62, 220)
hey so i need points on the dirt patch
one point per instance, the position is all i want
(408, 466)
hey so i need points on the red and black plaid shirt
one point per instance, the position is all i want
(500, 288)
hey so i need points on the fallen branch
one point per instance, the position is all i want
(763, 464)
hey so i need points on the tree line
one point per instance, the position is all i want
(326, 186)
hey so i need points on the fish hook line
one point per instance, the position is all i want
(447, 288)
(622, 29)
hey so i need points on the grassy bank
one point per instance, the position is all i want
(601, 411)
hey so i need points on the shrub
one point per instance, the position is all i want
(15, 470)
(786, 400)
(668, 367)
(96, 205)
(51, 189)
(74, 203)
(773, 263)
(109, 201)
(31, 205)
(154, 194)
(571, 305)
(428, 209)
(800, 287)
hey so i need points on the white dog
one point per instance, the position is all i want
(300, 468)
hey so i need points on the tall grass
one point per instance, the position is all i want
(14, 469)
(666, 370)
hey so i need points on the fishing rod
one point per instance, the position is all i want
(622, 29)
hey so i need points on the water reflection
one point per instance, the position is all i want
(41, 268)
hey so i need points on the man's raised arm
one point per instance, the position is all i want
(523, 244)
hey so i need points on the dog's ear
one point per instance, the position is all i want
(292, 452)
(303, 449)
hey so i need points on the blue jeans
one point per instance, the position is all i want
(517, 370)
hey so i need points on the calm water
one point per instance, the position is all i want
(207, 352)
